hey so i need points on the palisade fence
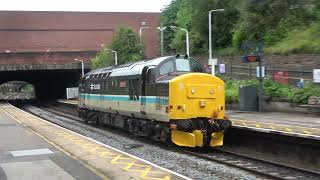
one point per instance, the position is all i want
(291, 74)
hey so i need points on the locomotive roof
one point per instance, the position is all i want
(128, 69)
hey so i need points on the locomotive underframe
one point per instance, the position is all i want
(156, 130)
(207, 131)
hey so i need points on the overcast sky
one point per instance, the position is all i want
(85, 5)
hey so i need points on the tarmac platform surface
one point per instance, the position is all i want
(32, 148)
(287, 123)
(25, 155)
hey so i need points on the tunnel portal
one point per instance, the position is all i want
(48, 84)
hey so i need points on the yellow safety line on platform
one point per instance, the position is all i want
(115, 158)
(306, 132)
(277, 127)
(287, 129)
(126, 163)
(97, 172)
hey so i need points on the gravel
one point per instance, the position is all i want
(154, 152)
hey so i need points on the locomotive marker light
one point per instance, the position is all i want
(82, 66)
(115, 55)
(187, 37)
(161, 29)
(140, 36)
(213, 62)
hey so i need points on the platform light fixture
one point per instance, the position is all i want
(82, 66)
(161, 29)
(115, 55)
(140, 36)
(187, 37)
(210, 40)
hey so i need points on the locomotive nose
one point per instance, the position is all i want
(195, 96)
(197, 110)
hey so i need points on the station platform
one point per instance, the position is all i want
(68, 101)
(293, 124)
(32, 148)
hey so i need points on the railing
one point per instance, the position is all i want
(290, 74)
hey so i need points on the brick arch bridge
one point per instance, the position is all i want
(40, 47)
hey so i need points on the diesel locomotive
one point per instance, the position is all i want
(166, 99)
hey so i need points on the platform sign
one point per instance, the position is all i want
(263, 71)
(72, 93)
(252, 52)
(280, 77)
(316, 75)
(222, 68)
(212, 61)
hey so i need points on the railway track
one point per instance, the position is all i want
(257, 166)
(262, 167)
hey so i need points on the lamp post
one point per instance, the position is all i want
(140, 36)
(187, 37)
(161, 29)
(115, 55)
(82, 66)
(210, 39)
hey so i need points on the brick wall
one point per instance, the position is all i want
(34, 31)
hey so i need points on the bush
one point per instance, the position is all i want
(273, 89)
(231, 94)
(270, 88)
(276, 90)
(302, 95)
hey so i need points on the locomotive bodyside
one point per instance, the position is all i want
(155, 100)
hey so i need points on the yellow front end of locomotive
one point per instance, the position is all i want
(196, 95)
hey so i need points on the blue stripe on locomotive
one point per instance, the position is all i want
(162, 100)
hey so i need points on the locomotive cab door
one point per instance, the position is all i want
(147, 77)
(143, 90)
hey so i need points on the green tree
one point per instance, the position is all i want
(193, 15)
(168, 18)
(270, 21)
(103, 59)
(126, 43)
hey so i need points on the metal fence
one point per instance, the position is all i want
(277, 72)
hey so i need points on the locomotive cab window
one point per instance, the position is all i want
(183, 65)
(195, 66)
(166, 68)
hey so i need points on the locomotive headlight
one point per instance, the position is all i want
(202, 103)
(193, 91)
(181, 107)
(211, 91)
